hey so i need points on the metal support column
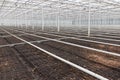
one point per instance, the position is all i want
(43, 26)
(15, 21)
(58, 19)
(89, 20)
(26, 21)
(80, 25)
(32, 19)
(21, 21)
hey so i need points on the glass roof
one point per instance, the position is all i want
(17, 8)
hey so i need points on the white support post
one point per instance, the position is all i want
(100, 19)
(58, 19)
(25, 21)
(21, 22)
(89, 20)
(15, 21)
(18, 22)
(43, 26)
(32, 21)
(80, 25)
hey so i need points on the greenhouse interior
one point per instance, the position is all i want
(59, 39)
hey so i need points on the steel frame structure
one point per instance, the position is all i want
(91, 12)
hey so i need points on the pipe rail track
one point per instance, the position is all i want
(98, 50)
(85, 36)
(11, 36)
(37, 41)
(81, 39)
(88, 41)
(61, 59)
(69, 34)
